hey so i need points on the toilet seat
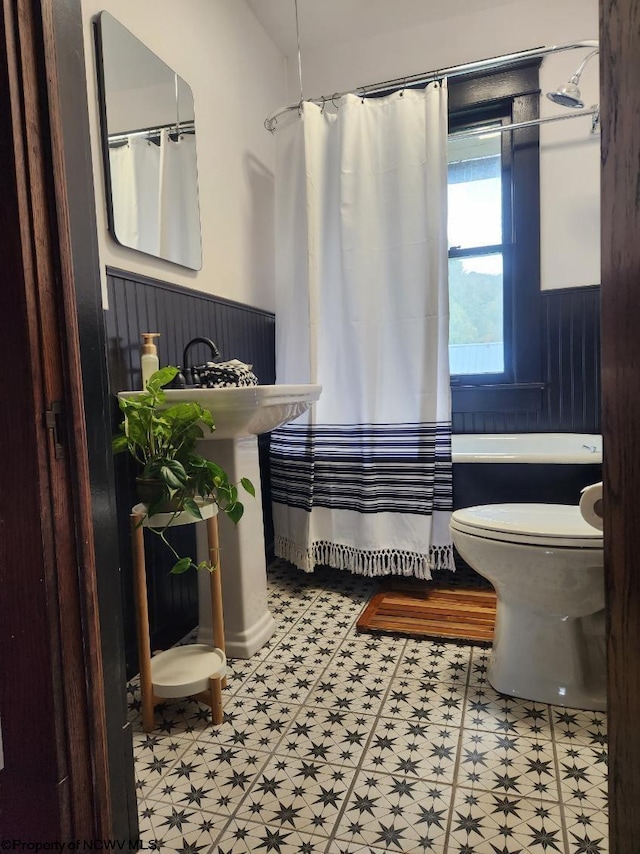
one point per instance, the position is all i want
(557, 525)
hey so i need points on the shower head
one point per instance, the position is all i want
(568, 95)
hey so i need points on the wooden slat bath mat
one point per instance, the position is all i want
(421, 610)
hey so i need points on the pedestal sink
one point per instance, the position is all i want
(250, 411)
(240, 415)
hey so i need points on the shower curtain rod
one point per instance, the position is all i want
(453, 71)
(594, 112)
(187, 126)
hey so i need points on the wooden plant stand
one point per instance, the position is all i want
(192, 670)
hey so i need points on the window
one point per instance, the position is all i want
(493, 231)
(476, 255)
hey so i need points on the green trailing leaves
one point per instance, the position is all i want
(161, 378)
(235, 512)
(181, 566)
(192, 507)
(248, 486)
(120, 443)
(162, 439)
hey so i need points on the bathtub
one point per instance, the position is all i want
(550, 468)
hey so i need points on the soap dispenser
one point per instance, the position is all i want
(149, 361)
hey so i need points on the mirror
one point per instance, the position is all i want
(149, 146)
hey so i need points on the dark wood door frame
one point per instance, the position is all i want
(68, 100)
(620, 217)
(55, 782)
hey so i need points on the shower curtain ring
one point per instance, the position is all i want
(333, 99)
(364, 93)
(404, 86)
(300, 106)
(324, 101)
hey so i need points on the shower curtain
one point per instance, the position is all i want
(363, 481)
(135, 171)
(155, 196)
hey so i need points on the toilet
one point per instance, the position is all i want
(546, 565)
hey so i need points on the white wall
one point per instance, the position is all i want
(570, 157)
(237, 75)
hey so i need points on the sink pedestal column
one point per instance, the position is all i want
(247, 620)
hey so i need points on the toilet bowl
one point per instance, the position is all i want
(546, 565)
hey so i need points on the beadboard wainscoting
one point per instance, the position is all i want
(568, 398)
(140, 304)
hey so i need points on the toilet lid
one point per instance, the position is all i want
(539, 524)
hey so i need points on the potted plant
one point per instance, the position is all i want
(173, 478)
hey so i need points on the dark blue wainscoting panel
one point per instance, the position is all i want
(140, 304)
(571, 355)
(569, 401)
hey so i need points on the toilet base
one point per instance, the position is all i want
(549, 659)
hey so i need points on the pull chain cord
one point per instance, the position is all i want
(299, 59)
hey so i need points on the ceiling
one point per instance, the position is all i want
(324, 22)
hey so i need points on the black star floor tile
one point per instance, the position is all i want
(478, 671)
(283, 682)
(153, 765)
(323, 735)
(358, 692)
(587, 831)
(484, 823)
(395, 814)
(435, 662)
(238, 670)
(374, 644)
(315, 650)
(426, 702)
(508, 764)
(489, 711)
(338, 846)
(146, 746)
(343, 743)
(255, 724)
(165, 827)
(296, 794)
(583, 780)
(575, 725)
(414, 749)
(331, 610)
(378, 655)
(212, 779)
(249, 837)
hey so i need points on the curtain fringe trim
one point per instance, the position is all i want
(360, 562)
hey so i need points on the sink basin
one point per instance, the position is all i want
(247, 411)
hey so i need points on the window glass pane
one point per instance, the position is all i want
(476, 332)
(475, 191)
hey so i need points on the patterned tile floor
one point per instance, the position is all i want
(339, 743)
